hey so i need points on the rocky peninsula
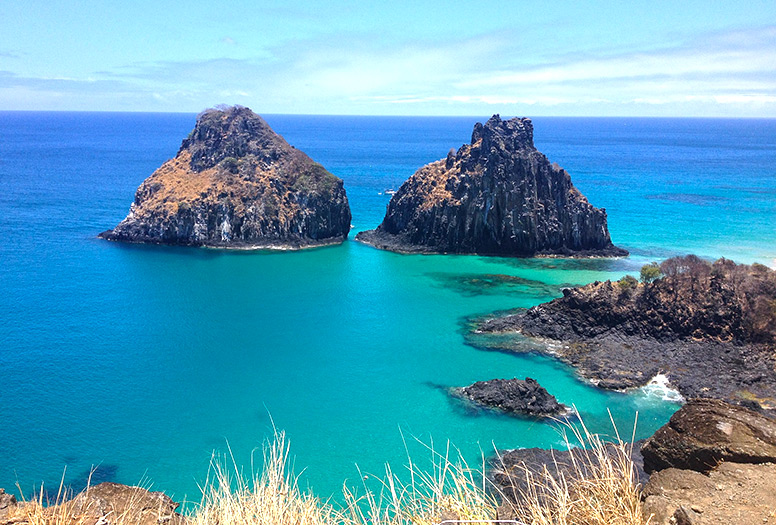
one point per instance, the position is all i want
(710, 328)
(235, 183)
(497, 195)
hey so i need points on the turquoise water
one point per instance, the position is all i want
(144, 360)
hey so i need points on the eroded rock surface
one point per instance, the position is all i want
(237, 183)
(496, 196)
(7, 503)
(705, 432)
(732, 494)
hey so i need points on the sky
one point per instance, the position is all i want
(576, 58)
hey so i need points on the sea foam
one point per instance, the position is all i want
(660, 387)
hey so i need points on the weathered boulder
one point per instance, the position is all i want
(514, 396)
(705, 432)
(137, 505)
(496, 196)
(237, 183)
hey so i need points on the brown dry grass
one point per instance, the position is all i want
(600, 488)
(602, 491)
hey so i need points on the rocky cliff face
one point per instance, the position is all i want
(237, 183)
(495, 196)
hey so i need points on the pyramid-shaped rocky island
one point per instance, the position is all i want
(237, 183)
(496, 196)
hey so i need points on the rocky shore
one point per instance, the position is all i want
(712, 463)
(497, 195)
(710, 328)
(235, 183)
(513, 396)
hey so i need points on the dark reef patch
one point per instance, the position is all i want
(475, 284)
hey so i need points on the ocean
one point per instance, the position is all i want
(144, 361)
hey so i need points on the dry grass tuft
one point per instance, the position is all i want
(601, 488)
(272, 497)
(451, 491)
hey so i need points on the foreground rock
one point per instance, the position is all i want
(705, 432)
(711, 463)
(495, 196)
(105, 503)
(510, 470)
(237, 183)
(7, 503)
(514, 396)
(732, 494)
(710, 328)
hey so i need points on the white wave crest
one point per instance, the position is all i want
(660, 386)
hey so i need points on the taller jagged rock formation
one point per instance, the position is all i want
(237, 183)
(496, 196)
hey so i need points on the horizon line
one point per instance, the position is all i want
(104, 111)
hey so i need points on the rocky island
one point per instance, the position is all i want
(235, 183)
(709, 327)
(496, 196)
(513, 396)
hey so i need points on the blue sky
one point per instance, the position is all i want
(677, 58)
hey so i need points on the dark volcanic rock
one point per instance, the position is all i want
(237, 183)
(515, 396)
(708, 327)
(705, 432)
(495, 196)
(511, 470)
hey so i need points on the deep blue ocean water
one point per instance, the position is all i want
(144, 359)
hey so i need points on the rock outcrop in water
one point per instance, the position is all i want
(513, 396)
(237, 183)
(496, 196)
(710, 328)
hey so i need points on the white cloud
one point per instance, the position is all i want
(721, 73)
